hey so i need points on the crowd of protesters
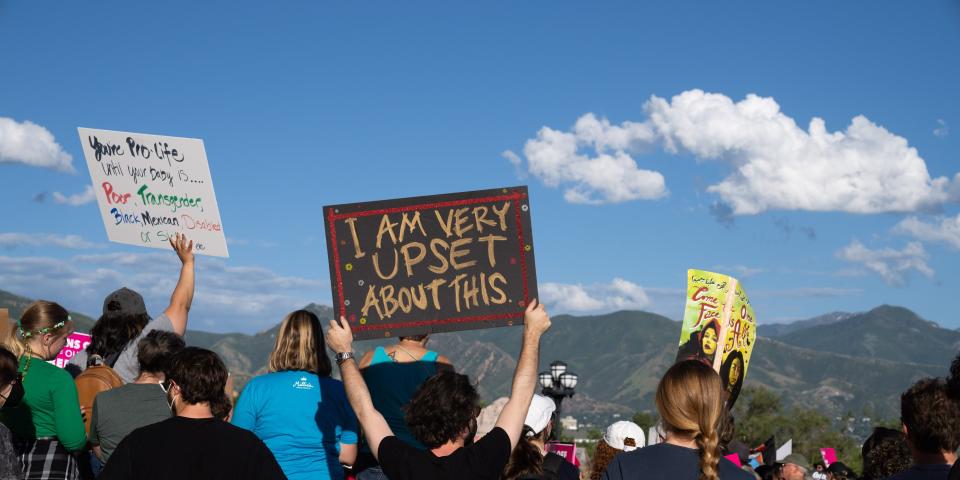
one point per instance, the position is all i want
(139, 403)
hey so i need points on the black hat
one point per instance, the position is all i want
(838, 468)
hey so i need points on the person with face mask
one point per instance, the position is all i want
(195, 443)
(11, 392)
(119, 411)
(47, 425)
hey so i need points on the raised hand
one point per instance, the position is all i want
(339, 336)
(535, 319)
(183, 247)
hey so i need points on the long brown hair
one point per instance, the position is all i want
(690, 402)
(300, 345)
(526, 458)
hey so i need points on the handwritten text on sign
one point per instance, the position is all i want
(150, 187)
(429, 264)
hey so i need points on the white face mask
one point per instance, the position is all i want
(170, 401)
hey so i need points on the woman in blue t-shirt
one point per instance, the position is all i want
(299, 411)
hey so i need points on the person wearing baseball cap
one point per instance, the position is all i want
(795, 467)
(125, 320)
(622, 436)
(530, 458)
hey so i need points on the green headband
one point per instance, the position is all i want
(41, 331)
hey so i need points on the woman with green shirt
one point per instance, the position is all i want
(47, 425)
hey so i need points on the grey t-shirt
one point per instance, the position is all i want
(127, 365)
(119, 411)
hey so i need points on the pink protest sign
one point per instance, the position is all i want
(75, 342)
(734, 458)
(829, 456)
(566, 450)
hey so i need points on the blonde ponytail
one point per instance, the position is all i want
(709, 445)
(689, 400)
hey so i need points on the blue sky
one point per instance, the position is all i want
(302, 104)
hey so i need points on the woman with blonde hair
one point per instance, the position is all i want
(47, 425)
(689, 400)
(299, 411)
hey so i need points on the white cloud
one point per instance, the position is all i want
(942, 129)
(619, 294)
(76, 200)
(31, 144)
(16, 239)
(228, 298)
(891, 264)
(946, 231)
(776, 165)
(609, 175)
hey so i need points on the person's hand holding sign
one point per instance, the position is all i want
(339, 336)
(183, 247)
(535, 320)
(182, 298)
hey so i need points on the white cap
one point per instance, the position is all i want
(538, 416)
(622, 430)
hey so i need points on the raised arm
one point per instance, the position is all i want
(535, 324)
(182, 296)
(375, 428)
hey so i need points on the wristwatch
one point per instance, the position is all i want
(343, 357)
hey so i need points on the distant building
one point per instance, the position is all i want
(569, 423)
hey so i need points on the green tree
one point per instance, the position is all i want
(759, 415)
(645, 420)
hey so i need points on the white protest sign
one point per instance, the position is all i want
(150, 187)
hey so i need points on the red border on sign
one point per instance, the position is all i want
(332, 217)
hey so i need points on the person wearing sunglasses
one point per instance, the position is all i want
(11, 391)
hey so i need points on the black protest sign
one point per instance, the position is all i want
(439, 263)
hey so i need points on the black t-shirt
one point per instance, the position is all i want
(188, 448)
(665, 461)
(483, 460)
(924, 472)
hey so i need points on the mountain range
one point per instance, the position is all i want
(838, 362)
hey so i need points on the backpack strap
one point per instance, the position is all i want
(112, 358)
(551, 466)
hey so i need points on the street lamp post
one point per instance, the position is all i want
(558, 383)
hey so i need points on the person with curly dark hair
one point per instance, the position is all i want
(125, 322)
(442, 413)
(885, 453)
(932, 427)
(195, 443)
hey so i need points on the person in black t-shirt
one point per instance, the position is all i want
(690, 403)
(193, 444)
(442, 414)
